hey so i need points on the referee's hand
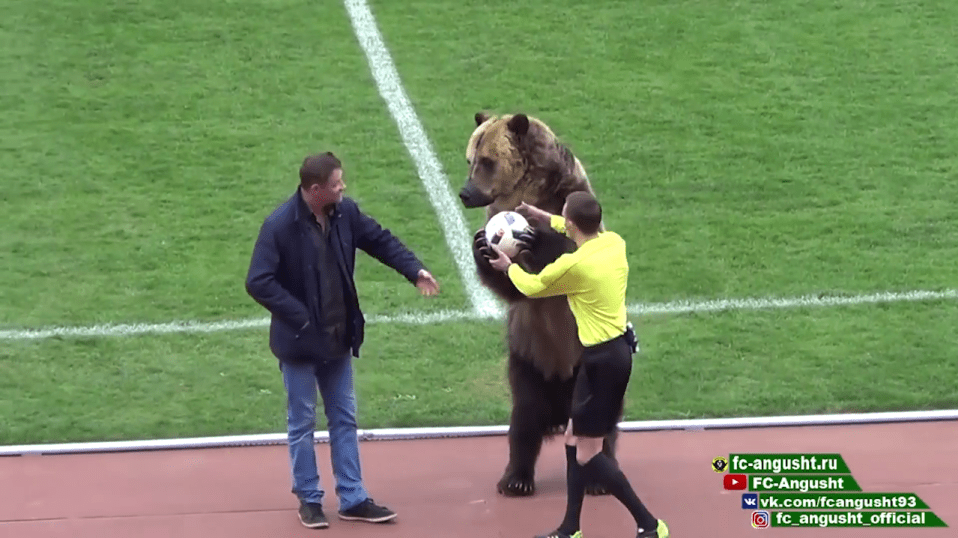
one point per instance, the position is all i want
(501, 262)
(533, 213)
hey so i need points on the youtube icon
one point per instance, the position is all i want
(735, 481)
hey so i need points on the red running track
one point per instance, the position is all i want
(446, 487)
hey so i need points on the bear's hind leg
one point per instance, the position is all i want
(525, 443)
(528, 427)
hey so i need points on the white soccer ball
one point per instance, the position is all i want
(511, 224)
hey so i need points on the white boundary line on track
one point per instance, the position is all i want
(429, 318)
(392, 434)
(414, 136)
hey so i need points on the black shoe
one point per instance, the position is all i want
(367, 511)
(312, 516)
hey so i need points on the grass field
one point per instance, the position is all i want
(751, 149)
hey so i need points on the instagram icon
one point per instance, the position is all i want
(760, 519)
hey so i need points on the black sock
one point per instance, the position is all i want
(602, 469)
(575, 483)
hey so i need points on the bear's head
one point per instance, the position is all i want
(515, 158)
(495, 163)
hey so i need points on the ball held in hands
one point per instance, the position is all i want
(505, 230)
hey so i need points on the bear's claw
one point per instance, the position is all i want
(556, 430)
(596, 489)
(516, 487)
(527, 238)
(481, 245)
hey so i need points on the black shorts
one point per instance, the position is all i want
(599, 392)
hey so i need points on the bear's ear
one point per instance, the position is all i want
(481, 118)
(519, 124)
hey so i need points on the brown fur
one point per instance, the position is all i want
(512, 159)
(534, 168)
(537, 169)
(549, 337)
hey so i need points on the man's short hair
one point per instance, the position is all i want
(317, 169)
(584, 211)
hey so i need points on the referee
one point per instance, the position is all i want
(594, 280)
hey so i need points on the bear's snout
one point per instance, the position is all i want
(473, 197)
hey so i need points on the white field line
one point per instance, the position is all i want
(430, 170)
(678, 307)
(430, 318)
(133, 329)
(387, 434)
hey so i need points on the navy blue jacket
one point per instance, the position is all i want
(283, 276)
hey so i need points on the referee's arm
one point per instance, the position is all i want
(554, 279)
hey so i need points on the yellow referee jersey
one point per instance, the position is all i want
(594, 279)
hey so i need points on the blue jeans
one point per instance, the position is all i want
(335, 381)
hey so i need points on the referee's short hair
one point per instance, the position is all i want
(584, 211)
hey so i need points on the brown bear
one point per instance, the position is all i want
(512, 159)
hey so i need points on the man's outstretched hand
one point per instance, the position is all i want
(426, 283)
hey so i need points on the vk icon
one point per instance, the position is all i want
(750, 501)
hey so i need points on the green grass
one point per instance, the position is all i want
(727, 364)
(748, 149)
(745, 149)
(148, 143)
(227, 383)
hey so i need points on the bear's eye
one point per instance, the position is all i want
(487, 163)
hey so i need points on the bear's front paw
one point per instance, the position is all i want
(527, 238)
(514, 485)
(479, 239)
(480, 244)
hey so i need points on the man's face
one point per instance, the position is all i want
(331, 192)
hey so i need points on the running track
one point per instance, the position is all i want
(446, 487)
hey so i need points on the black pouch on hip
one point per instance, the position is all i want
(631, 338)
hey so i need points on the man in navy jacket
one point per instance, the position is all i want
(301, 271)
